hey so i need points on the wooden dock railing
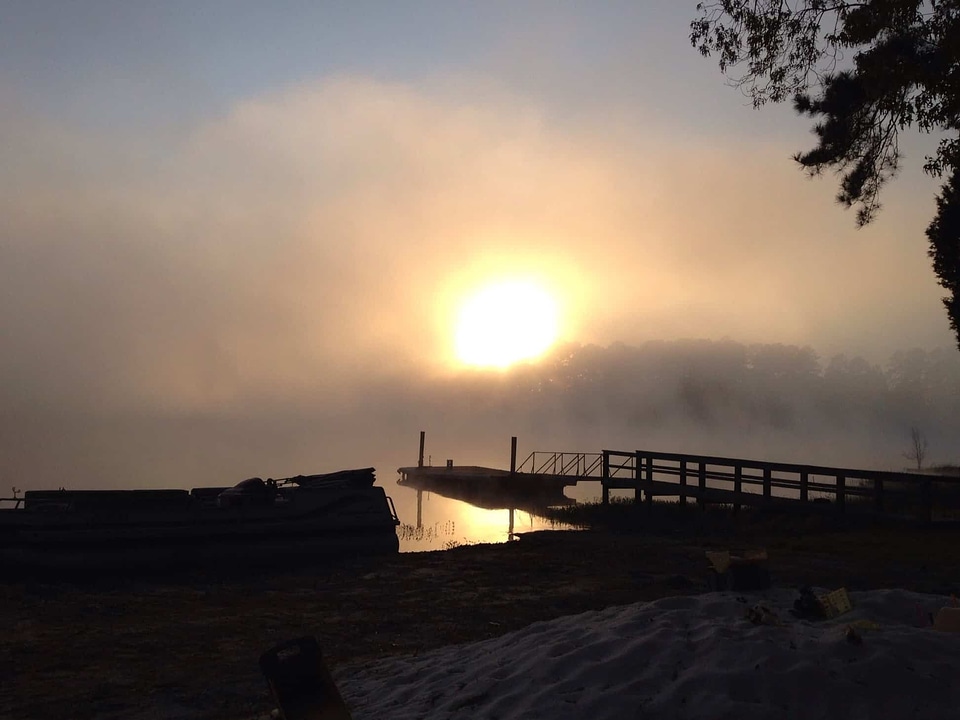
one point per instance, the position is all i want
(737, 482)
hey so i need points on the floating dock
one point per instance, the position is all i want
(489, 488)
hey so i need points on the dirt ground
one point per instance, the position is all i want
(188, 647)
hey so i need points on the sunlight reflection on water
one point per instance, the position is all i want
(430, 521)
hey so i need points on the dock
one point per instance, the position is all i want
(539, 480)
(489, 488)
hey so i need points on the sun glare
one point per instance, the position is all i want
(505, 323)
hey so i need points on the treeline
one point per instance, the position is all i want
(695, 390)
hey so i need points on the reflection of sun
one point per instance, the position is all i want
(506, 322)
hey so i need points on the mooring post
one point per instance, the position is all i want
(841, 493)
(423, 435)
(513, 455)
(878, 494)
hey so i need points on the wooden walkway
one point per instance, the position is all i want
(737, 482)
(707, 479)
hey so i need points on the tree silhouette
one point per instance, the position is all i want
(901, 69)
(918, 447)
(944, 236)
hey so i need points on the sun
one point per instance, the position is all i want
(506, 322)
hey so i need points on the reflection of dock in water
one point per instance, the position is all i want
(489, 488)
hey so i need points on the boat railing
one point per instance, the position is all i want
(5, 502)
(393, 510)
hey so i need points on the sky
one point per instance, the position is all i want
(235, 209)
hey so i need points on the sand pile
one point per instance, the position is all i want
(685, 657)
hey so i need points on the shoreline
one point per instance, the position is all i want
(124, 649)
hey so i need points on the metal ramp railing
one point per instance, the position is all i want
(564, 464)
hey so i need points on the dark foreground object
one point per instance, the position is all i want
(301, 683)
(70, 533)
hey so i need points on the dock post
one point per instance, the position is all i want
(637, 477)
(513, 455)
(605, 477)
(841, 493)
(702, 485)
(649, 493)
(878, 494)
(683, 482)
(767, 486)
(423, 435)
(737, 487)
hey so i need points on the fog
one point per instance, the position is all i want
(772, 402)
(266, 284)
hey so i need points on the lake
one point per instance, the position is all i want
(433, 521)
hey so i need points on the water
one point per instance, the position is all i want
(430, 521)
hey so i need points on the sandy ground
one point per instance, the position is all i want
(188, 647)
(696, 657)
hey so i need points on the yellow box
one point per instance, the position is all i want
(836, 603)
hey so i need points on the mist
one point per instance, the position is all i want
(270, 289)
(769, 402)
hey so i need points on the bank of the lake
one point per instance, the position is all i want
(189, 648)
